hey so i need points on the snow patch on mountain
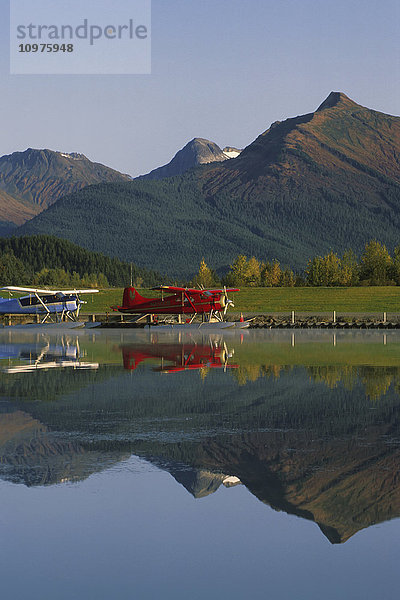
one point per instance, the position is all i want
(73, 155)
(231, 152)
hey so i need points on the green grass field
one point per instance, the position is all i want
(270, 300)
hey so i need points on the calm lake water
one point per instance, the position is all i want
(261, 464)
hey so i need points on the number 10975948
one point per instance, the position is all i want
(46, 48)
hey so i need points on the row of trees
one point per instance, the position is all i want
(375, 267)
(247, 273)
(14, 272)
(19, 257)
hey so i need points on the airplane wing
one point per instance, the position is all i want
(219, 291)
(171, 288)
(78, 291)
(13, 288)
(174, 289)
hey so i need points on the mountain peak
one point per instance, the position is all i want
(204, 151)
(198, 151)
(335, 99)
(199, 140)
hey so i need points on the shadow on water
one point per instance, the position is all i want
(309, 424)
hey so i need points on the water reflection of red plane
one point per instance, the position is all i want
(179, 357)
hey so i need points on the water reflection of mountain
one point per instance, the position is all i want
(325, 453)
(31, 454)
(344, 486)
(198, 482)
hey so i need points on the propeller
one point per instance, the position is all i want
(79, 303)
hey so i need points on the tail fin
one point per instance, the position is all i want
(131, 297)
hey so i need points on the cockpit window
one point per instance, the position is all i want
(28, 301)
(48, 299)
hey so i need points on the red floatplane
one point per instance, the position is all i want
(211, 304)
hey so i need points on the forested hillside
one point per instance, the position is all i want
(47, 260)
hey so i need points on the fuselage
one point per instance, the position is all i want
(182, 302)
(31, 305)
(176, 304)
(173, 305)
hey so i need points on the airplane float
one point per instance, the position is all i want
(58, 305)
(212, 304)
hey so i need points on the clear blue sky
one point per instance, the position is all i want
(221, 69)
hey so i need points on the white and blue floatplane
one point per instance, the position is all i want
(53, 306)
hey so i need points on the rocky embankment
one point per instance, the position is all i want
(286, 322)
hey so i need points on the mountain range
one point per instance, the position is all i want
(31, 181)
(326, 180)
